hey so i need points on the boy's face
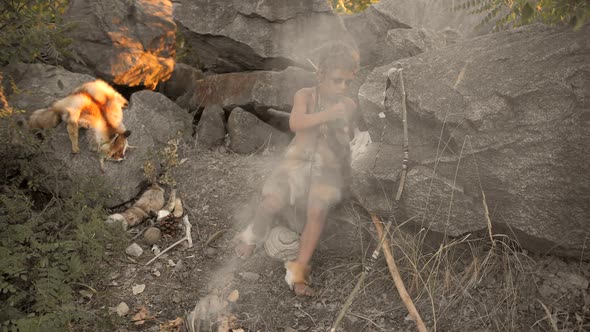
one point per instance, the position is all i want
(336, 82)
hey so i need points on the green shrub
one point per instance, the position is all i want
(50, 246)
(515, 13)
(33, 30)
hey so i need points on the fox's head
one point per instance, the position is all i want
(118, 146)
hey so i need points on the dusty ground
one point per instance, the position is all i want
(467, 285)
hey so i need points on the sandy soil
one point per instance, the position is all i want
(466, 286)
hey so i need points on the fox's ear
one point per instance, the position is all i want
(127, 133)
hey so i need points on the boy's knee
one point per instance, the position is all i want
(272, 203)
(317, 213)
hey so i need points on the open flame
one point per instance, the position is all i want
(148, 61)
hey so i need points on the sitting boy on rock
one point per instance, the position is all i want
(316, 167)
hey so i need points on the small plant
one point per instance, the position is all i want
(351, 6)
(514, 13)
(160, 170)
(33, 30)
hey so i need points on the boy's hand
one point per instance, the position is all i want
(339, 111)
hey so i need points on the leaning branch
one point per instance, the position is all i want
(397, 279)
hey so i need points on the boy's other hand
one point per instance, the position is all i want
(339, 111)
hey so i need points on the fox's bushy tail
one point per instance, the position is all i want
(44, 118)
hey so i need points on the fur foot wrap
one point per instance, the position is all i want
(296, 273)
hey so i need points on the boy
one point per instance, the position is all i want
(316, 167)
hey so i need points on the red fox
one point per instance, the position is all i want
(94, 105)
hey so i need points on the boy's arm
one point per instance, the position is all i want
(301, 120)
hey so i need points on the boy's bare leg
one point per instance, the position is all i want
(316, 219)
(265, 212)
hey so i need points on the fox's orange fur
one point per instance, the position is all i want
(296, 273)
(94, 105)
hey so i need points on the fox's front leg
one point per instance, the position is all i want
(73, 133)
(101, 162)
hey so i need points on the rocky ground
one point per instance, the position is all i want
(467, 285)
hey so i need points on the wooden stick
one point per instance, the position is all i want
(406, 148)
(187, 238)
(406, 145)
(348, 301)
(397, 279)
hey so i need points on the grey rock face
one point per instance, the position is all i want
(39, 85)
(405, 43)
(498, 115)
(259, 89)
(369, 30)
(183, 79)
(231, 35)
(126, 42)
(248, 134)
(211, 127)
(157, 119)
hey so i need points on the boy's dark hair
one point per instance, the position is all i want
(337, 56)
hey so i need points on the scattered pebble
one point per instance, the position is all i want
(157, 273)
(134, 250)
(156, 250)
(233, 296)
(152, 235)
(138, 289)
(122, 309)
(249, 276)
(209, 251)
(162, 214)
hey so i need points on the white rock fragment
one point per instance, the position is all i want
(138, 289)
(249, 276)
(122, 309)
(117, 218)
(156, 249)
(162, 214)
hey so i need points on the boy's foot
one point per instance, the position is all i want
(302, 289)
(244, 250)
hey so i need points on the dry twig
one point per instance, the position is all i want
(348, 301)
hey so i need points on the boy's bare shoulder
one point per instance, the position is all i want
(304, 92)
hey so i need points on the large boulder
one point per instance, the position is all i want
(251, 90)
(33, 86)
(248, 134)
(229, 35)
(154, 121)
(152, 118)
(211, 128)
(369, 30)
(505, 119)
(126, 42)
(183, 80)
